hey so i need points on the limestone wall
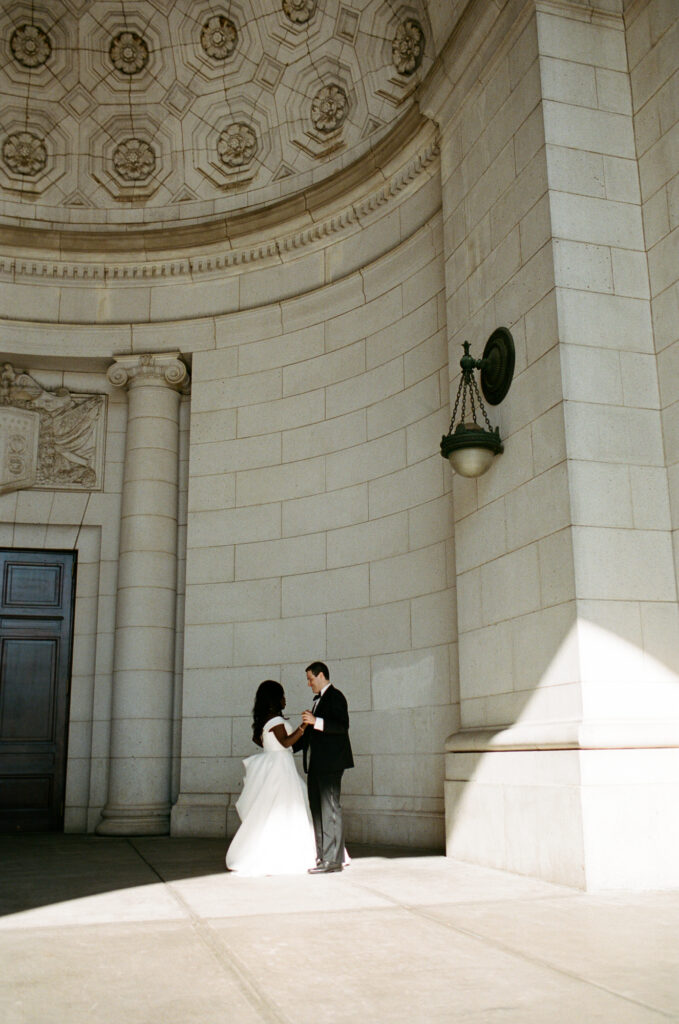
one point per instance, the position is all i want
(320, 527)
(515, 576)
(567, 597)
(652, 47)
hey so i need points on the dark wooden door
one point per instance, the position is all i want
(37, 591)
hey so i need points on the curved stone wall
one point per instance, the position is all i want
(319, 527)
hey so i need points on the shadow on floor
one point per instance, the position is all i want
(37, 870)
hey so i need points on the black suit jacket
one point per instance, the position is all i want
(329, 749)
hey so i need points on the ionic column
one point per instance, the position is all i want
(143, 667)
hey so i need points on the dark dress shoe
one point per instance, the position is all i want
(324, 868)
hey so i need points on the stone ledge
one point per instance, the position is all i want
(574, 735)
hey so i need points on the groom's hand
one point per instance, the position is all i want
(308, 718)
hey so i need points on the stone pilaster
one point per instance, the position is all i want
(565, 765)
(141, 728)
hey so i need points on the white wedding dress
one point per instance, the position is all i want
(276, 836)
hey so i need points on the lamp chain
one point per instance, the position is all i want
(468, 383)
(457, 402)
(475, 388)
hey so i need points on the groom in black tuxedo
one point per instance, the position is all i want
(327, 752)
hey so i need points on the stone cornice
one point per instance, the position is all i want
(573, 735)
(219, 259)
(581, 11)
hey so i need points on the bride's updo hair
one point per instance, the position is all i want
(268, 703)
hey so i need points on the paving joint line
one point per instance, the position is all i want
(536, 961)
(230, 964)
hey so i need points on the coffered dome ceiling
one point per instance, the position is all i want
(128, 112)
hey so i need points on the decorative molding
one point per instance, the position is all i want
(53, 439)
(579, 11)
(215, 262)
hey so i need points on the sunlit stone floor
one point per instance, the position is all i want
(154, 930)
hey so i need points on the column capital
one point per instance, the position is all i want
(149, 368)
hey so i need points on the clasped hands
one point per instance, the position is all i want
(308, 718)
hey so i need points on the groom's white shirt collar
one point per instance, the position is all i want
(321, 692)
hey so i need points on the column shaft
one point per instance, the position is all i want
(143, 677)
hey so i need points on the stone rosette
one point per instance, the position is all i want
(323, 112)
(134, 160)
(400, 54)
(24, 153)
(129, 53)
(407, 49)
(219, 37)
(218, 42)
(37, 154)
(133, 164)
(125, 59)
(299, 11)
(329, 108)
(237, 145)
(30, 46)
(233, 146)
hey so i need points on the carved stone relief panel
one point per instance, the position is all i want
(49, 439)
(18, 448)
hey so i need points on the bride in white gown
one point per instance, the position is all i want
(276, 836)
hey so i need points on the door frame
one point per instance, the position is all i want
(22, 622)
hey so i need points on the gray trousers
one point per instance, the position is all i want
(326, 812)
